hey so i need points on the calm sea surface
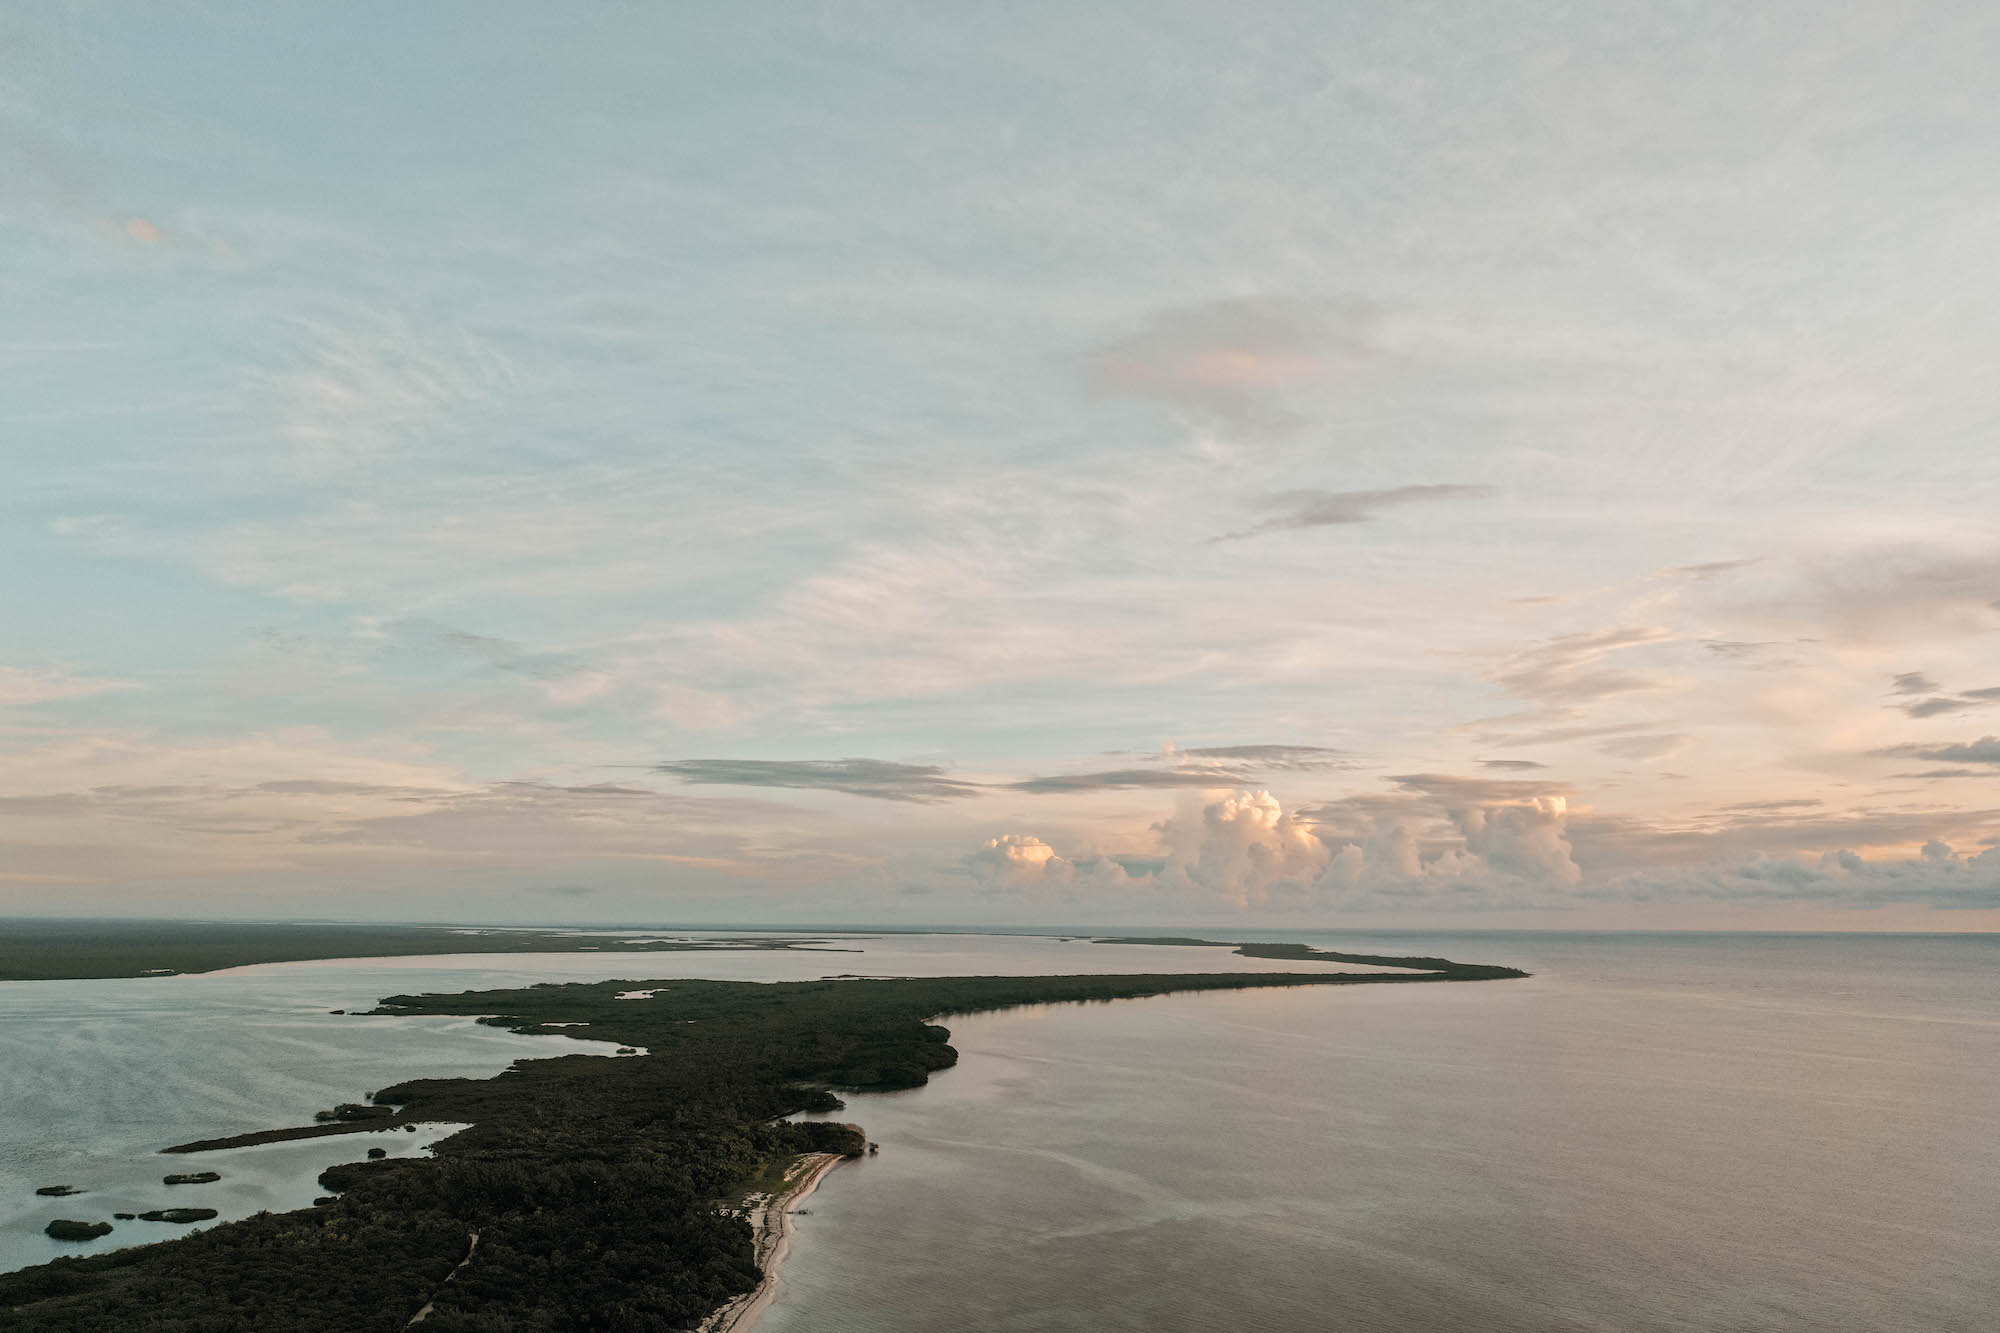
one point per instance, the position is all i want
(1653, 1133)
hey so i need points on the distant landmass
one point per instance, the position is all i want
(41, 950)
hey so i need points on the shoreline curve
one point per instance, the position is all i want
(771, 1220)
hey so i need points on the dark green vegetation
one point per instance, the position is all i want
(599, 1189)
(178, 1215)
(64, 1229)
(32, 950)
(58, 1191)
(1441, 969)
(192, 1178)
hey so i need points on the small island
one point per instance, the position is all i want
(58, 1191)
(588, 1192)
(192, 1178)
(65, 1229)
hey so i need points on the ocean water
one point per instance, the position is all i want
(1652, 1133)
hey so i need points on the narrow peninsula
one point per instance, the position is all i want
(589, 1193)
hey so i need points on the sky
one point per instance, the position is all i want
(1493, 463)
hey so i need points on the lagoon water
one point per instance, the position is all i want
(1652, 1133)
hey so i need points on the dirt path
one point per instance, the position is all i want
(430, 1304)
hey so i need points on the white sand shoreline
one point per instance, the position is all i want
(771, 1221)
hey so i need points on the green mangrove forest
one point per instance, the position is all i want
(601, 1190)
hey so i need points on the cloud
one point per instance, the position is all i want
(1126, 778)
(1271, 756)
(1712, 568)
(1879, 592)
(1739, 650)
(1985, 750)
(20, 687)
(1012, 859)
(875, 778)
(1319, 509)
(1652, 746)
(1935, 701)
(1244, 848)
(377, 384)
(1561, 670)
(1463, 840)
(1228, 361)
(1527, 840)
(1511, 765)
(1023, 861)
(1933, 707)
(1554, 735)
(1938, 876)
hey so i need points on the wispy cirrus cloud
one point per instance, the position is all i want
(1564, 671)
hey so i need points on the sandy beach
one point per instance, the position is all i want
(771, 1220)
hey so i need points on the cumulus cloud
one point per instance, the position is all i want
(1244, 848)
(1463, 840)
(1527, 840)
(1015, 861)
(875, 778)
(1913, 682)
(1320, 509)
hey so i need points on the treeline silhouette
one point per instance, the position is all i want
(600, 1188)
